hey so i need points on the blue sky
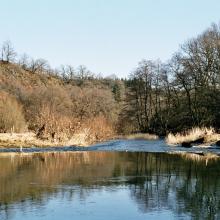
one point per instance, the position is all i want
(108, 36)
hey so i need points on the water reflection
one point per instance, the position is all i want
(185, 185)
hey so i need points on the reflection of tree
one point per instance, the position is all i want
(156, 181)
(184, 186)
(200, 196)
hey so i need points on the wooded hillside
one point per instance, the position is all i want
(156, 98)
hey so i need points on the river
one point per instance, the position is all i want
(129, 180)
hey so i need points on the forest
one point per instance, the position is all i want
(156, 97)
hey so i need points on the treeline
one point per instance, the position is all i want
(156, 98)
(180, 94)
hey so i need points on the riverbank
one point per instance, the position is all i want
(139, 136)
(29, 139)
(194, 137)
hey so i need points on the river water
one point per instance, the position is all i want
(106, 182)
(157, 146)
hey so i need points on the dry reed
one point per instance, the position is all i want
(193, 134)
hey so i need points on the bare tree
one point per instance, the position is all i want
(8, 53)
(70, 72)
(24, 61)
(83, 72)
(39, 65)
(63, 73)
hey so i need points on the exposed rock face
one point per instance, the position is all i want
(218, 143)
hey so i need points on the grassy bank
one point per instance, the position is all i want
(205, 136)
(140, 136)
(29, 139)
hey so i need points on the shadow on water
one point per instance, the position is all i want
(184, 185)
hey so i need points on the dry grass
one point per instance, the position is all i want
(29, 139)
(141, 136)
(193, 134)
(79, 139)
(22, 139)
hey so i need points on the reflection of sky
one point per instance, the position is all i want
(106, 204)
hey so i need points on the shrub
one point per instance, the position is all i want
(11, 114)
(46, 103)
(96, 129)
(56, 124)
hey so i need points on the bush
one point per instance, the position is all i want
(11, 114)
(99, 129)
(56, 124)
(44, 104)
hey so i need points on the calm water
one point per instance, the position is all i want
(109, 185)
